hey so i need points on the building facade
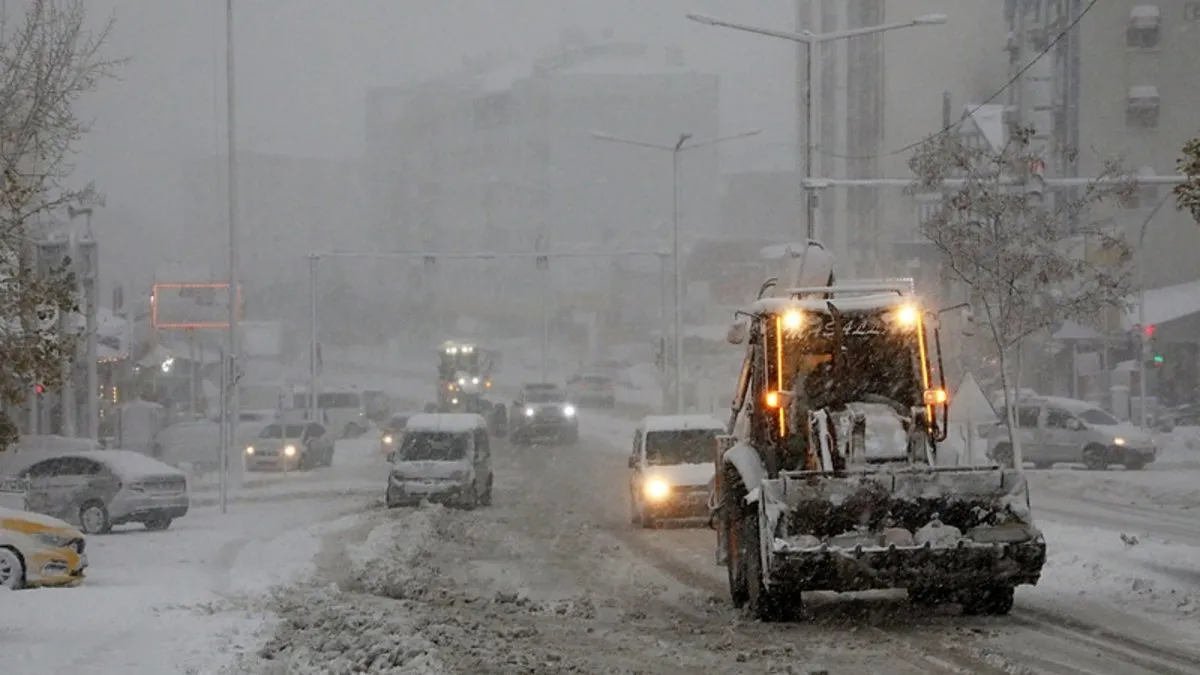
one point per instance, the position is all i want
(503, 160)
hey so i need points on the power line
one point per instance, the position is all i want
(953, 126)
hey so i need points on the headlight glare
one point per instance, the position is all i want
(656, 489)
(289, 450)
(569, 410)
(250, 450)
(529, 411)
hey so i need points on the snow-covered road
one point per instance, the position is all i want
(554, 579)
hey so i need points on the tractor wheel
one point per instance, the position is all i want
(764, 604)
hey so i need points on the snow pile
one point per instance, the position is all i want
(1134, 573)
(248, 573)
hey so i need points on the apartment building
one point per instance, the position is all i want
(882, 92)
(503, 159)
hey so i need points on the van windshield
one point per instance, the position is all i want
(681, 446)
(279, 431)
(431, 446)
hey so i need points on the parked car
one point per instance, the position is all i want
(1054, 429)
(97, 489)
(36, 550)
(592, 389)
(289, 446)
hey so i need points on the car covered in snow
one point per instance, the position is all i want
(98, 489)
(37, 550)
(542, 411)
(592, 389)
(671, 468)
(442, 458)
(1054, 429)
(289, 446)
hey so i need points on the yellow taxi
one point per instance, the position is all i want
(37, 550)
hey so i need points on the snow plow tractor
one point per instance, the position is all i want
(464, 377)
(829, 478)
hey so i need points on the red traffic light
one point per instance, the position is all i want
(1149, 330)
(40, 389)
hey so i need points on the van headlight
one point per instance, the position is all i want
(249, 449)
(289, 451)
(568, 410)
(529, 411)
(1118, 441)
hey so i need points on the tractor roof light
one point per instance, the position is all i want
(907, 316)
(792, 320)
(936, 396)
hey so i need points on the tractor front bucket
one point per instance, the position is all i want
(888, 527)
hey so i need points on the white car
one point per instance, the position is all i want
(343, 410)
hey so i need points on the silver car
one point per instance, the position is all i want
(1055, 429)
(97, 489)
(289, 446)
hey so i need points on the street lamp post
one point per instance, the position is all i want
(1141, 287)
(684, 143)
(229, 395)
(811, 40)
(90, 293)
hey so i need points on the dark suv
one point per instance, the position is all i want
(542, 412)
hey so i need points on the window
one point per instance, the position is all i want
(1027, 417)
(1098, 417)
(1057, 419)
(434, 446)
(1144, 30)
(314, 430)
(493, 110)
(681, 446)
(1141, 107)
(637, 443)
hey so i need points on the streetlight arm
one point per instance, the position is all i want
(719, 139)
(818, 38)
(601, 136)
(782, 34)
(871, 30)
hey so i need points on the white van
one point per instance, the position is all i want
(344, 412)
(442, 458)
(671, 466)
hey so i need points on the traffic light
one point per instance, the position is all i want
(39, 389)
(1149, 330)
(1158, 359)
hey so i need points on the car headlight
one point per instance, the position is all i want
(52, 540)
(569, 410)
(387, 440)
(462, 381)
(529, 412)
(474, 380)
(250, 450)
(1118, 441)
(656, 490)
(289, 450)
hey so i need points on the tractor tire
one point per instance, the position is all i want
(739, 592)
(765, 604)
(991, 601)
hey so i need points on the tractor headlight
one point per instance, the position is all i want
(529, 411)
(387, 440)
(1118, 441)
(289, 451)
(792, 319)
(249, 449)
(462, 381)
(474, 380)
(568, 410)
(907, 316)
(656, 489)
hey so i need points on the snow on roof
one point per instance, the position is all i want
(1143, 91)
(1165, 304)
(850, 304)
(29, 516)
(1144, 16)
(448, 422)
(130, 464)
(1072, 405)
(653, 423)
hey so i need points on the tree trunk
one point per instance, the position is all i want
(1014, 434)
(1011, 396)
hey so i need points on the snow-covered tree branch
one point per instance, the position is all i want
(1025, 271)
(1187, 195)
(49, 60)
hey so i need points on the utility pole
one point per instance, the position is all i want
(684, 143)
(229, 407)
(809, 41)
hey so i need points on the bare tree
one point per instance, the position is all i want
(49, 59)
(1025, 272)
(1187, 194)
